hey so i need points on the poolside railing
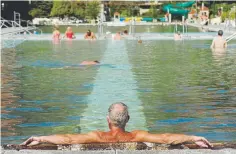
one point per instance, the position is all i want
(231, 37)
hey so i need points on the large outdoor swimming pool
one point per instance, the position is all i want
(175, 87)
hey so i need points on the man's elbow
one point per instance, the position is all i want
(67, 139)
(172, 139)
(167, 138)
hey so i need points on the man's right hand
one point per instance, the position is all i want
(32, 141)
(201, 142)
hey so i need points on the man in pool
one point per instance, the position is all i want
(219, 42)
(89, 35)
(125, 32)
(90, 62)
(84, 63)
(117, 118)
(177, 36)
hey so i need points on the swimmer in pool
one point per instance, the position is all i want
(69, 34)
(89, 35)
(56, 33)
(139, 40)
(117, 36)
(177, 36)
(125, 32)
(219, 42)
(90, 62)
(117, 118)
(84, 63)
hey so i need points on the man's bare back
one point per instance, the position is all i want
(219, 42)
(116, 136)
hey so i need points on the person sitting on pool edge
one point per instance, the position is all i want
(117, 119)
(89, 35)
(95, 62)
(219, 42)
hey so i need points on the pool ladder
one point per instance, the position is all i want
(14, 29)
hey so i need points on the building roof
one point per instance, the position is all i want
(137, 3)
(204, 8)
(192, 12)
(116, 13)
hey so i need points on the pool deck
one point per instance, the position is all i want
(202, 151)
(119, 148)
(14, 30)
(214, 28)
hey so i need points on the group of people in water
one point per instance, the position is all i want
(69, 34)
(89, 35)
(218, 42)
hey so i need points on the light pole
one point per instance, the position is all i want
(2, 6)
(235, 16)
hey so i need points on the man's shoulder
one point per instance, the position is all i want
(139, 132)
(96, 133)
(138, 135)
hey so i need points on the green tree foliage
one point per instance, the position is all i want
(153, 11)
(83, 9)
(125, 9)
(40, 8)
(226, 8)
(79, 9)
(61, 8)
(92, 9)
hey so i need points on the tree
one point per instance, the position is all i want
(79, 9)
(40, 8)
(123, 9)
(153, 11)
(62, 8)
(36, 13)
(92, 9)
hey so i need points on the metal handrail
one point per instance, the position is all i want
(231, 37)
(12, 24)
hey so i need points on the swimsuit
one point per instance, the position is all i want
(56, 36)
(69, 35)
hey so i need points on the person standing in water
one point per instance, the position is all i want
(89, 35)
(177, 36)
(125, 32)
(69, 34)
(139, 40)
(117, 36)
(219, 42)
(56, 33)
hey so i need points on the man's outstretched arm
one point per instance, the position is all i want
(63, 139)
(143, 136)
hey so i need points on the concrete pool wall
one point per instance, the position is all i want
(116, 148)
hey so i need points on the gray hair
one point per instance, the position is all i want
(119, 118)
